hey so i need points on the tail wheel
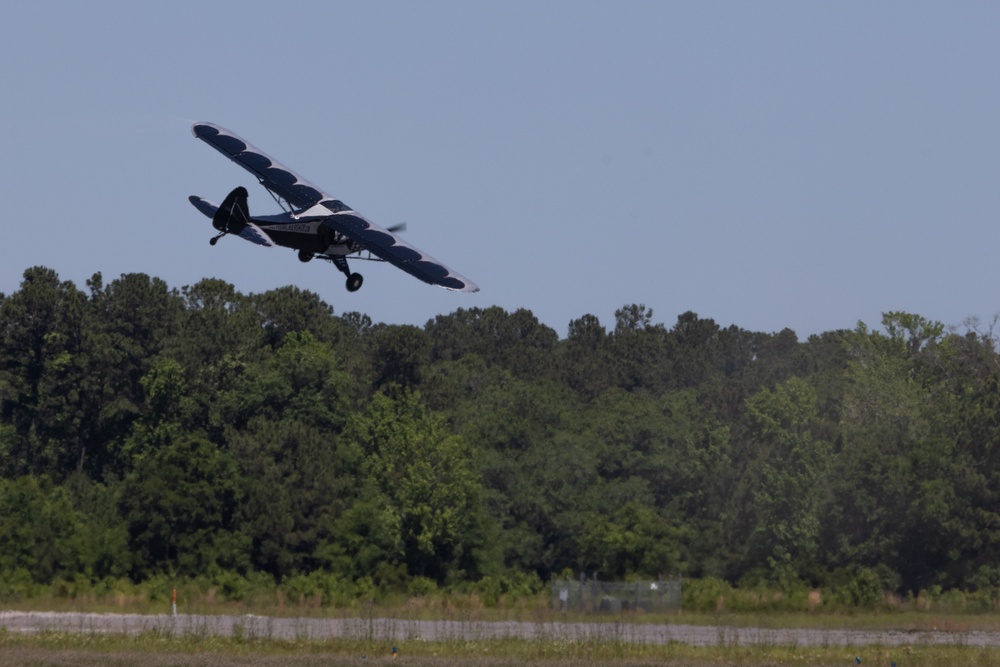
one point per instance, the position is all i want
(354, 282)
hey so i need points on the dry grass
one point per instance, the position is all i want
(158, 650)
(40, 656)
(62, 658)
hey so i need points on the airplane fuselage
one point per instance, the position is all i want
(311, 236)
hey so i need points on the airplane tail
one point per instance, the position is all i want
(233, 215)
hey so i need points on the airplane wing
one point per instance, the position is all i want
(384, 244)
(313, 202)
(276, 177)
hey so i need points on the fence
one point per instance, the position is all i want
(609, 596)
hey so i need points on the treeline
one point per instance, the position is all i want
(147, 431)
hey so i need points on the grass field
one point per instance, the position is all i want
(156, 650)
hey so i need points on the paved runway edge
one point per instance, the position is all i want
(399, 630)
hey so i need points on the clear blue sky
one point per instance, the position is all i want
(765, 164)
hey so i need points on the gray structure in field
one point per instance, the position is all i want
(593, 595)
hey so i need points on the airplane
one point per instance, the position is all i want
(312, 222)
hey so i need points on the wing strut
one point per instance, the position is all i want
(285, 206)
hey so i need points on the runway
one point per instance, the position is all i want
(398, 630)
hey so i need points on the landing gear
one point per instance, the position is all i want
(354, 280)
(215, 239)
(305, 255)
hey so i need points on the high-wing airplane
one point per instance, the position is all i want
(312, 222)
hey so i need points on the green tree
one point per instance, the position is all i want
(180, 506)
(515, 341)
(634, 540)
(162, 416)
(296, 482)
(100, 543)
(399, 354)
(39, 529)
(783, 491)
(221, 338)
(42, 367)
(641, 350)
(538, 468)
(960, 498)
(586, 360)
(425, 474)
(670, 454)
(129, 323)
(888, 502)
(288, 309)
(694, 350)
(302, 381)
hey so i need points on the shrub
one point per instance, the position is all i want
(421, 587)
(705, 595)
(17, 584)
(862, 589)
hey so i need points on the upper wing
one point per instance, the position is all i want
(294, 189)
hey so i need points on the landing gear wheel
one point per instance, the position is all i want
(213, 240)
(354, 282)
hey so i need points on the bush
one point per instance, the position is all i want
(705, 595)
(300, 587)
(862, 588)
(159, 588)
(119, 590)
(232, 586)
(489, 590)
(17, 584)
(328, 589)
(517, 585)
(421, 587)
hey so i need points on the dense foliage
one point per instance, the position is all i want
(146, 431)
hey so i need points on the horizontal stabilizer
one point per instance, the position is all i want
(255, 234)
(203, 205)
